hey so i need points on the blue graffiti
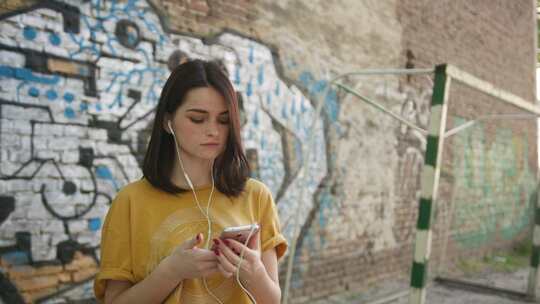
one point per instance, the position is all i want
(249, 89)
(324, 207)
(251, 55)
(110, 46)
(92, 47)
(284, 111)
(69, 113)
(332, 105)
(51, 95)
(146, 57)
(68, 97)
(27, 75)
(54, 39)
(317, 88)
(151, 26)
(29, 33)
(16, 258)
(94, 224)
(125, 78)
(237, 75)
(260, 75)
(129, 9)
(306, 79)
(256, 119)
(103, 172)
(303, 108)
(7, 71)
(34, 92)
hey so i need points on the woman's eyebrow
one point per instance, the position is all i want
(204, 111)
(197, 110)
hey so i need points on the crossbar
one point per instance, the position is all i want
(490, 89)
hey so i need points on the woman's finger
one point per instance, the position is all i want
(204, 255)
(228, 252)
(237, 247)
(224, 262)
(254, 241)
(224, 272)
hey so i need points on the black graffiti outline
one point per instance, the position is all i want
(70, 14)
(40, 162)
(32, 56)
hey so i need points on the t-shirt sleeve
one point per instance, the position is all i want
(115, 263)
(271, 236)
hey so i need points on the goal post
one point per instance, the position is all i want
(444, 76)
(429, 183)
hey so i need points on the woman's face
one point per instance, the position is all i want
(201, 123)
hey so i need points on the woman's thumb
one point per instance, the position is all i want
(192, 243)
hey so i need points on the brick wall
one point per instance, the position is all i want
(76, 100)
(488, 176)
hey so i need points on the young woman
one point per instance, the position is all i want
(160, 240)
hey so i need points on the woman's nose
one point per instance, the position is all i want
(212, 129)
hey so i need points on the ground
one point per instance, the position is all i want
(507, 271)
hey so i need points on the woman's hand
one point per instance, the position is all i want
(187, 261)
(228, 252)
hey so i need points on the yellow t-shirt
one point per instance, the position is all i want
(144, 225)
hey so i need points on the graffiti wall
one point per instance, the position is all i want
(493, 194)
(79, 82)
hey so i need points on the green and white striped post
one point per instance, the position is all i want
(429, 185)
(535, 255)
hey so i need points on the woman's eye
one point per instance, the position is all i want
(224, 121)
(196, 120)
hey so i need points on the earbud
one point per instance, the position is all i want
(170, 127)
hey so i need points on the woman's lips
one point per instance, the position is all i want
(210, 145)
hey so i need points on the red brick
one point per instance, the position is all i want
(36, 283)
(50, 269)
(30, 297)
(83, 274)
(19, 272)
(199, 6)
(64, 277)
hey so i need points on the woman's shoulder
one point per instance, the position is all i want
(256, 187)
(136, 188)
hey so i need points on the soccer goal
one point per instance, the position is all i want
(497, 134)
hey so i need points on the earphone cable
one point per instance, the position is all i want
(207, 215)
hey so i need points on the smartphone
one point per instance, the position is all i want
(239, 233)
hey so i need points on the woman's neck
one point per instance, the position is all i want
(199, 172)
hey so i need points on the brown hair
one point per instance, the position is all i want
(231, 169)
